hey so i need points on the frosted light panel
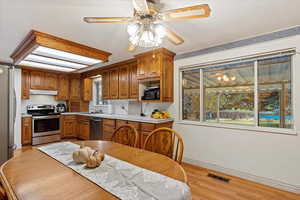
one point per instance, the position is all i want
(41, 59)
(45, 66)
(44, 51)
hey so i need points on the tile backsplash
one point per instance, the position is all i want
(38, 99)
(131, 107)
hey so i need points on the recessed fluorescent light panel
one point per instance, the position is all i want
(46, 66)
(52, 61)
(62, 55)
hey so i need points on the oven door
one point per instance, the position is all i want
(45, 125)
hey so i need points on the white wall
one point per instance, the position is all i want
(268, 158)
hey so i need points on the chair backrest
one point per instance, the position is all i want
(165, 141)
(2, 193)
(127, 135)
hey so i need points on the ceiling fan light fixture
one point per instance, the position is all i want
(133, 28)
(160, 31)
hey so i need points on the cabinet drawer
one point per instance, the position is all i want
(120, 123)
(107, 136)
(109, 122)
(69, 117)
(165, 125)
(83, 118)
(136, 125)
(108, 129)
(147, 127)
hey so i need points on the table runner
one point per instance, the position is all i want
(122, 179)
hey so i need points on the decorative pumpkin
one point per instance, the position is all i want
(95, 160)
(82, 155)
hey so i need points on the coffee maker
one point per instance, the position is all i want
(61, 108)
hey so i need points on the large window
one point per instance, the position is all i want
(257, 92)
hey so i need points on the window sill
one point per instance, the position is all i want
(238, 127)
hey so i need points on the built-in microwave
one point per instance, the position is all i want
(151, 93)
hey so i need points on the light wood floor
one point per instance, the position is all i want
(206, 188)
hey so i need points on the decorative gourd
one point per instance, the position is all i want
(95, 160)
(82, 155)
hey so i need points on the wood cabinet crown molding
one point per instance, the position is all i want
(35, 39)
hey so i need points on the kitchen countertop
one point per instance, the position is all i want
(121, 117)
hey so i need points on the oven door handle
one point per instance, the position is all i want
(47, 117)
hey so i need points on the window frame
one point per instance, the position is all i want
(255, 127)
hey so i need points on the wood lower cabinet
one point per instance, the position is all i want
(63, 88)
(144, 129)
(83, 127)
(25, 84)
(26, 137)
(109, 127)
(69, 126)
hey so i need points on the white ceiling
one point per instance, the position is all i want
(231, 20)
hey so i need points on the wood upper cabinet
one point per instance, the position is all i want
(124, 82)
(168, 80)
(37, 80)
(75, 88)
(105, 84)
(134, 84)
(25, 84)
(142, 71)
(155, 65)
(114, 83)
(87, 89)
(63, 88)
(50, 81)
(26, 131)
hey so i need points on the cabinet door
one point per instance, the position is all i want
(26, 131)
(134, 84)
(168, 80)
(142, 67)
(105, 85)
(87, 89)
(37, 80)
(69, 127)
(84, 130)
(63, 88)
(25, 84)
(75, 89)
(124, 82)
(114, 83)
(50, 81)
(154, 65)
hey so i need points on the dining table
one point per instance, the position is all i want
(33, 175)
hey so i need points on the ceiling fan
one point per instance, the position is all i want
(146, 27)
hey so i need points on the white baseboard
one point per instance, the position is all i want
(245, 175)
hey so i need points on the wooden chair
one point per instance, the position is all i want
(167, 142)
(2, 193)
(127, 135)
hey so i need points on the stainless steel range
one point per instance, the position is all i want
(45, 124)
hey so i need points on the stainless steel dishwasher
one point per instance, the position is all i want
(96, 128)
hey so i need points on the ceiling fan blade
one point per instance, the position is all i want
(141, 6)
(131, 47)
(199, 11)
(173, 37)
(106, 19)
